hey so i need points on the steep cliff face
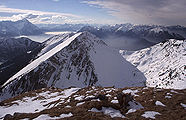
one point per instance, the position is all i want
(15, 54)
(12, 47)
(163, 64)
(81, 60)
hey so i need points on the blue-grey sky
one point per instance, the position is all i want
(166, 12)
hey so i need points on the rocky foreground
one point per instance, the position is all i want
(96, 103)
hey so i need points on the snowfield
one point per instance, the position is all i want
(163, 64)
(35, 104)
(109, 111)
(46, 117)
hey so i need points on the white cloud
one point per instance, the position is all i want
(22, 16)
(1, 6)
(39, 17)
(144, 11)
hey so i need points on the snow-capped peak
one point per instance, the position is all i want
(20, 24)
(157, 30)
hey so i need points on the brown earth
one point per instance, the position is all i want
(146, 97)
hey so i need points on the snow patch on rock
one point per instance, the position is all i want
(150, 114)
(109, 111)
(159, 103)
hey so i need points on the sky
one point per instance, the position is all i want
(161, 12)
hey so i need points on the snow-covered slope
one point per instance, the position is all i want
(164, 64)
(81, 60)
(54, 41)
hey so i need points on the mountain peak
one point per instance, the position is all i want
(89, 38)
(79, 61)
(88, 28)
(24, 20)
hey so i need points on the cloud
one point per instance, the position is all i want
(145, 11)
(1, 6)
(40, 17)
(45, 19)
(31, 16)
(22, 16)
(13, 10)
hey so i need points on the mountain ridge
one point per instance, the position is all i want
(163, 64)
(135, 37)
(81, 63)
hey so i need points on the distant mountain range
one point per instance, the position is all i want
(126, 36)
(60, 27)
(20, 27)
(135, 37)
